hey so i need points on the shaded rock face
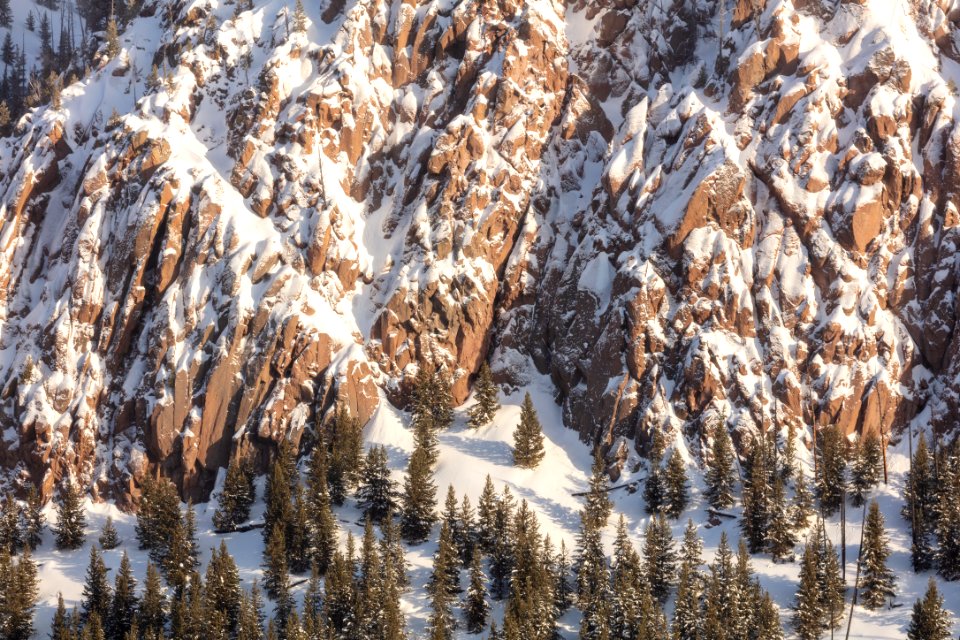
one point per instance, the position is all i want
(303, 219)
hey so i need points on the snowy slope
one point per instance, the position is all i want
(466, 457)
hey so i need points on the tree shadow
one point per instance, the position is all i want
(493, 451)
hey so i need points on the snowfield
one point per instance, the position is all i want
(466, 457)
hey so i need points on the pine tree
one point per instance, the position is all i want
(502, 556)
(722, 606)
(10, 534)
(597, 508)
(831, 468)
(432, 400)
(299, 553)
(767, 624)
(877, 581)
(299, 18)
(377, 495)
(238, 493)
(919, 507)
(788, 461)
(339, 605)
(686, 612)
(802, 507)
(60, 627)
(948, 512)
(660, 557)
(866, 469)
(593, 584)
(123, 608)
(756, 497)
(344, 442)
(113, 38)
(831, 582)
(71, 520)
(96, 589)
(275, 571)
(323, 526)
(930, 621)
(152, 613)
(654, 489)
(6, 15)
(223, 593)
(180, 557)
(720, 476)
(528, 437)
(628, 585)
(391, 548)
(20, 601)
(486, 394)
(419, 498)
(475, 608)
(278, 493)
(486, 513)
(93, 628)
(442, 588)
(675, 485)
(560, 572)
(108, 535)
(465, 534)
(780, 538)
(158, 517)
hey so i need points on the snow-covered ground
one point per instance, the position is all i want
(466, 458)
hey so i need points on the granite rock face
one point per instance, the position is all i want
(297, 220)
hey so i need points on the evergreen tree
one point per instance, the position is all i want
(278, 493)
(108, 535)
(123, 608)
(113, 38)
(276, 579)
(767, 624)
(597, 508)
(96, 589)
(9, 51)
(660, 557)
(419, 498)
(323, 526)
(831, 468)
(299, 17)
(788, 461)
(562, 590)
(442, 586)
(930, 621)
(4, 109)
(238, 493)
(391, 548)
(502, 556)
(486, 394)
(20, 599)
(71, 520)
(948, 512)
(654, 489)
(180, 557)
(158, 517)
(722, 598)
(831, 582)
(223, 593)
(802, 507)
(866, 470)
(593, 584)
(432, 400)
(528, 437)
(475, 608)
(877, 581)
(486, 514)
(6, 15)
(344, 442)
(10, 533)
(298, 533)
(720, 476)
(780, 538)
(152, 613)
(686, 612)
(250, 623)
(691, 549)
(465, 534)
(93, 628)
(377, 495)
(60, 627)
(340, 611)
(756, 497)
(628, 586)
(675, 485)
(920, 506)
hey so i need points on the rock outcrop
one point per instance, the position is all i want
(297, 220)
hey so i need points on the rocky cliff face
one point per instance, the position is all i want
(679, 209)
